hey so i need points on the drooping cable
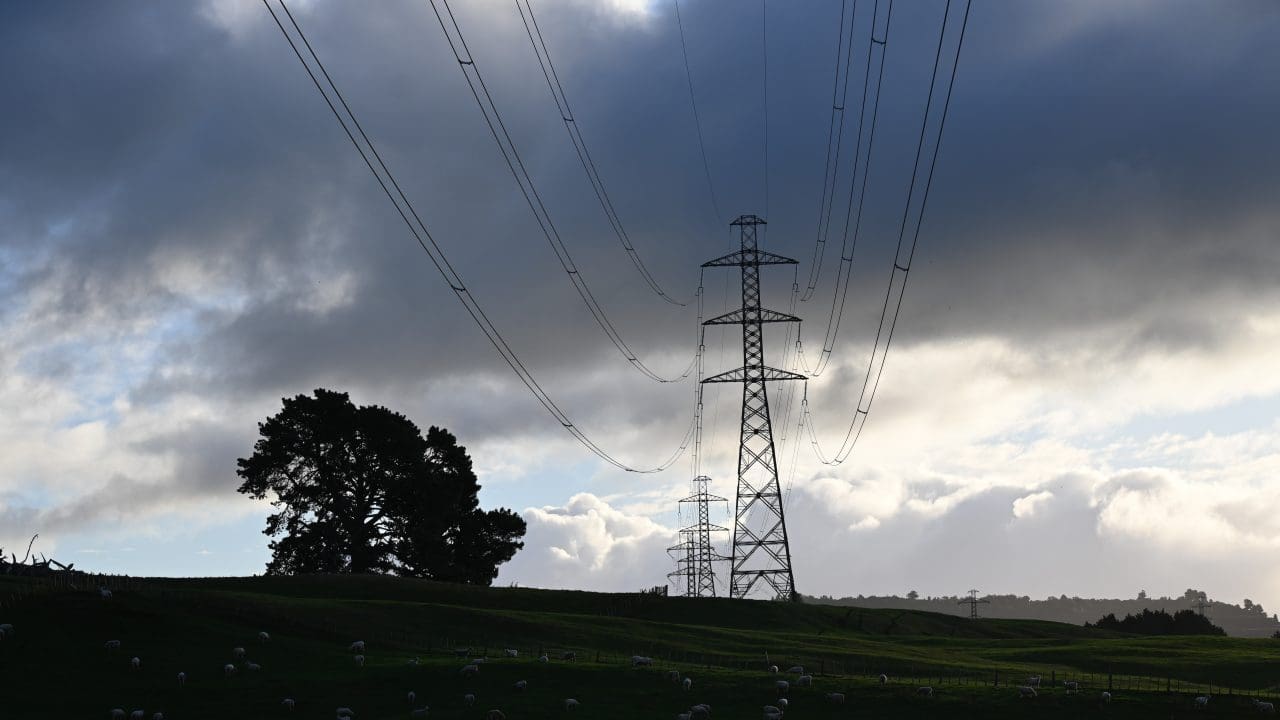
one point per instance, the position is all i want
(386, 181)
(901, 268)
(849, 243)
(697, 121)
(574, 129)
(764, 87)
(497, 128)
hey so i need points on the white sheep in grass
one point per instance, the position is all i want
(117, 714)
(1026, 691)
(883, 678)
(543, 658)
(835, 698)
(112, 645)
(469, 699)
(673, 676)
(772, 709)
(797, 669)
(288, 704)
(1071, 686)
(238, 653)
(687, 684)
(511, 652)
(782, 686)
(776, 714)
(1106, 696)
(641, 661)
(700, 712)
(471, 669)
(1202, 702)
(413, 661)
(138, 715)
(1264, 707)
(104, 593)
(228, 670)
(357, 647)
(136, 663)
(252, 667)
(359, 660)
(925, 691)
(684, 716)
(782, 703)
(805, 681)
(495, 715)
(158, 716)
(773, 669)
(570, 704)
(264, 637)
(344, 712)
(521, 685)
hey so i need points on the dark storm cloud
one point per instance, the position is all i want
(1115, 175)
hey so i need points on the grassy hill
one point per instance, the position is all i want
(56, 665)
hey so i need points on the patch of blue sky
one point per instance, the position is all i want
(548, 484)
(236, 547)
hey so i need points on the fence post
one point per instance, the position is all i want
(997, 682)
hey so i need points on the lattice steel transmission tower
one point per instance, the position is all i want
(761, 551)
(973, 602)
(696, 556)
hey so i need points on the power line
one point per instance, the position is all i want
(438, 259)
(693, 100)
(847, 248)
(580, 145)
(764, 77)
(511, 155)
(901, 268)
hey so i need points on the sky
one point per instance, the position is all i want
(1081, 396)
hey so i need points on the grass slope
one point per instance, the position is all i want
(56, 666)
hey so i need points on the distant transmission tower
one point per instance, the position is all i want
(973, 602)
(761, 551)
(1201, 603)
(696, 556)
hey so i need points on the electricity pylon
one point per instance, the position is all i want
(696, 564)
(761, 551)
(973, 602)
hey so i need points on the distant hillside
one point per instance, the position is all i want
(1239, 621)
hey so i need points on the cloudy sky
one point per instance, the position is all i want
(1082, 396)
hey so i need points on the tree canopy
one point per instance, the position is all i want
(359, 490)
(1159, 622)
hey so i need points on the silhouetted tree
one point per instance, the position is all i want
(913, 595)
(1159, 622)
(358, 489)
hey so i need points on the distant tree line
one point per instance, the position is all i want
(1159, 622)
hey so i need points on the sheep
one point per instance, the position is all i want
(288, 704)
(797, 669)
(511, 652)
(805, 681)
(117, 714)
(1106, 696)
(926, 691)
(469, 699)
(773, 669)
(359, 660)
(158, 716)
(835, 698)
(641, 661)
(687, 684)
(344, 712)
(782, 686)
(673, 676)
(228, 670)
(6, 629)
(684, 716)
(264, 637)
(776, 714)
(136, 663)
(137, 715)
(1026, 691)
(112, 645)
(543, 658)
(104, 593)
(418, 712)
(571, 655)
(252, 667)
(570, 704)
(414, 661)
(772, 709)
(700, 712)
(1202, 702)
(1033, 681)
(1070, 685)
(495, 715)
(182, 679)
(1264, 707)
(520, 685)
(471, 669)
(237, 653)
(782, 703)
(357, 647)
(884, 678)
(412, 696)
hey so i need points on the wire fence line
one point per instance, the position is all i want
(410, 643)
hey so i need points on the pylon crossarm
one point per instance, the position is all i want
(738, 317)
(767, 374)
(742, 258)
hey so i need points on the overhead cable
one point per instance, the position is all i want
(571, 124)
(697, 121)
(386, 180)
(497, 128)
